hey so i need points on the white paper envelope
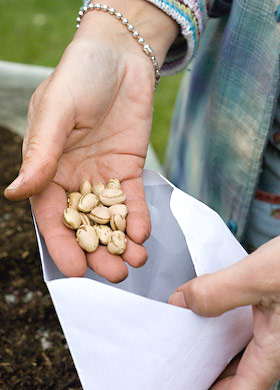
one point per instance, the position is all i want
(125, 336)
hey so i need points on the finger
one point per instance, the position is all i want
(258, 370)
(135, 254)
(226, 376)
(223, 384)
(113, 267)
(248, 282)
(51, 121)
(231, 367)
(108, 266)
(138, 219)
(214, 294)
(61, 243)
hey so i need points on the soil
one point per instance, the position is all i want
(33, 351)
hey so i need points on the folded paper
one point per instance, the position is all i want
(126, 336)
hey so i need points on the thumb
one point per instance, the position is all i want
(49, 125)
(211, 295)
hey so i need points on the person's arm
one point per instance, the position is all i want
(91, 120)
(99, 35)
(253, 281)
(162, 23)
(158, 29)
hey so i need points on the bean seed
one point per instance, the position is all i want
(118, 222)
(85, 188)
(90, 210)
(120, 209)
(100, 215)
(73, 200)
(87, 202)
(87, 238)
(111, 196)
(71, 218)
(117, 243)
(114, 183)
(97, 188)
(85, 219)
(103, 233)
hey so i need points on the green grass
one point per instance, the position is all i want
(164, 102)
(37, 32)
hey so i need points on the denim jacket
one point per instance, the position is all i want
(225, 109)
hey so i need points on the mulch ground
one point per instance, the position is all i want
(33, 350)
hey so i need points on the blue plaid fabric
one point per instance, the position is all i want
(225, 109)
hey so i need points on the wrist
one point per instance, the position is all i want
(148, 20)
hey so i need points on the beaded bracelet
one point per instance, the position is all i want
(146, 48)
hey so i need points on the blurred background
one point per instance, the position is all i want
(33, 351)
(37, 32)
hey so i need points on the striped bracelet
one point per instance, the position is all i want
(146, 48)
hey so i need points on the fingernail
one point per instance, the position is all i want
(178, 299)
(16, 183)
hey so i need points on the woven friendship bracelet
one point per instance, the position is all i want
(146, 48)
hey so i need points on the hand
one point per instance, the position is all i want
(90, 120)
(252, 281)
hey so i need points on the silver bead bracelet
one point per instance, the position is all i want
(146, 48)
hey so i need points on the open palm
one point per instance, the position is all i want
(90, 120)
